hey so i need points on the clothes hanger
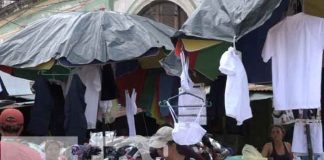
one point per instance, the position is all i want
(164, 102)
(234, 42)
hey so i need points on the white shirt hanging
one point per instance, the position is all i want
(237, 102)
(91, 78)
(131, 110)
(299, 144)
(296, 45)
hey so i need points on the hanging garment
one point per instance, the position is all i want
(185, 112)
(237, 102)
(217, 91)
(296, 45)
(3, 94)
(40, 113)
(147, 97)
(256, 70)
(56, 125)
(137, 81)
(91, 78)
(299, 144)
(75, 123)
(186, 133)
(108, 84)
(168, 87)
(131, 110)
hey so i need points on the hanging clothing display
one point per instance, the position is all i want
(75, 123)
(3, 94)
(296, 45)
(131, 110)
(47, 114)
(185, 112)
(257, 71)
(299, 144)
(40, 113)
(168, 87)
(91, 78)
(216, 96)
(56, 125)
(187, 132)
(108, 83)
(237, 102)
(123, 82)
(148, 96)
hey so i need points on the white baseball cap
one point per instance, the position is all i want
(161, 137)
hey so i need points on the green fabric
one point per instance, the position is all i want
(56, 72)
(147, 97)
(207, 62)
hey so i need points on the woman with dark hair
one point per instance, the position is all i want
(277, 149)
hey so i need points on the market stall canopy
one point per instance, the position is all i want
(224, 19)
(83, 38)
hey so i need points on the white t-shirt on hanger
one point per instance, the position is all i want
(296, 45)
(237, 100)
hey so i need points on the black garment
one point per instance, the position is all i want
(57, 116)
(3, 94)
(275, 156)
(75, 123)
(216, 96)
(109, 88)
(40, 113)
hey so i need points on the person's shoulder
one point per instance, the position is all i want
(288, 144)
(269, 144)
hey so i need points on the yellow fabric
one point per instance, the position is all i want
(152, 61)
(314, 7)
(155, 110)
(192, 45)
(45, 66)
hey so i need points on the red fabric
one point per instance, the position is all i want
(6, 69)
(128, 82)
(192, 59)
(17, 151)
(11, 116)
(157, 90)
(178, 47)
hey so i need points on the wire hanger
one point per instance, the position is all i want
(234, 42)
(165, 102)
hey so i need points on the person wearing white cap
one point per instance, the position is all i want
(165, 146)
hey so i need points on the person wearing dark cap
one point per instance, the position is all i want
(11, 122)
